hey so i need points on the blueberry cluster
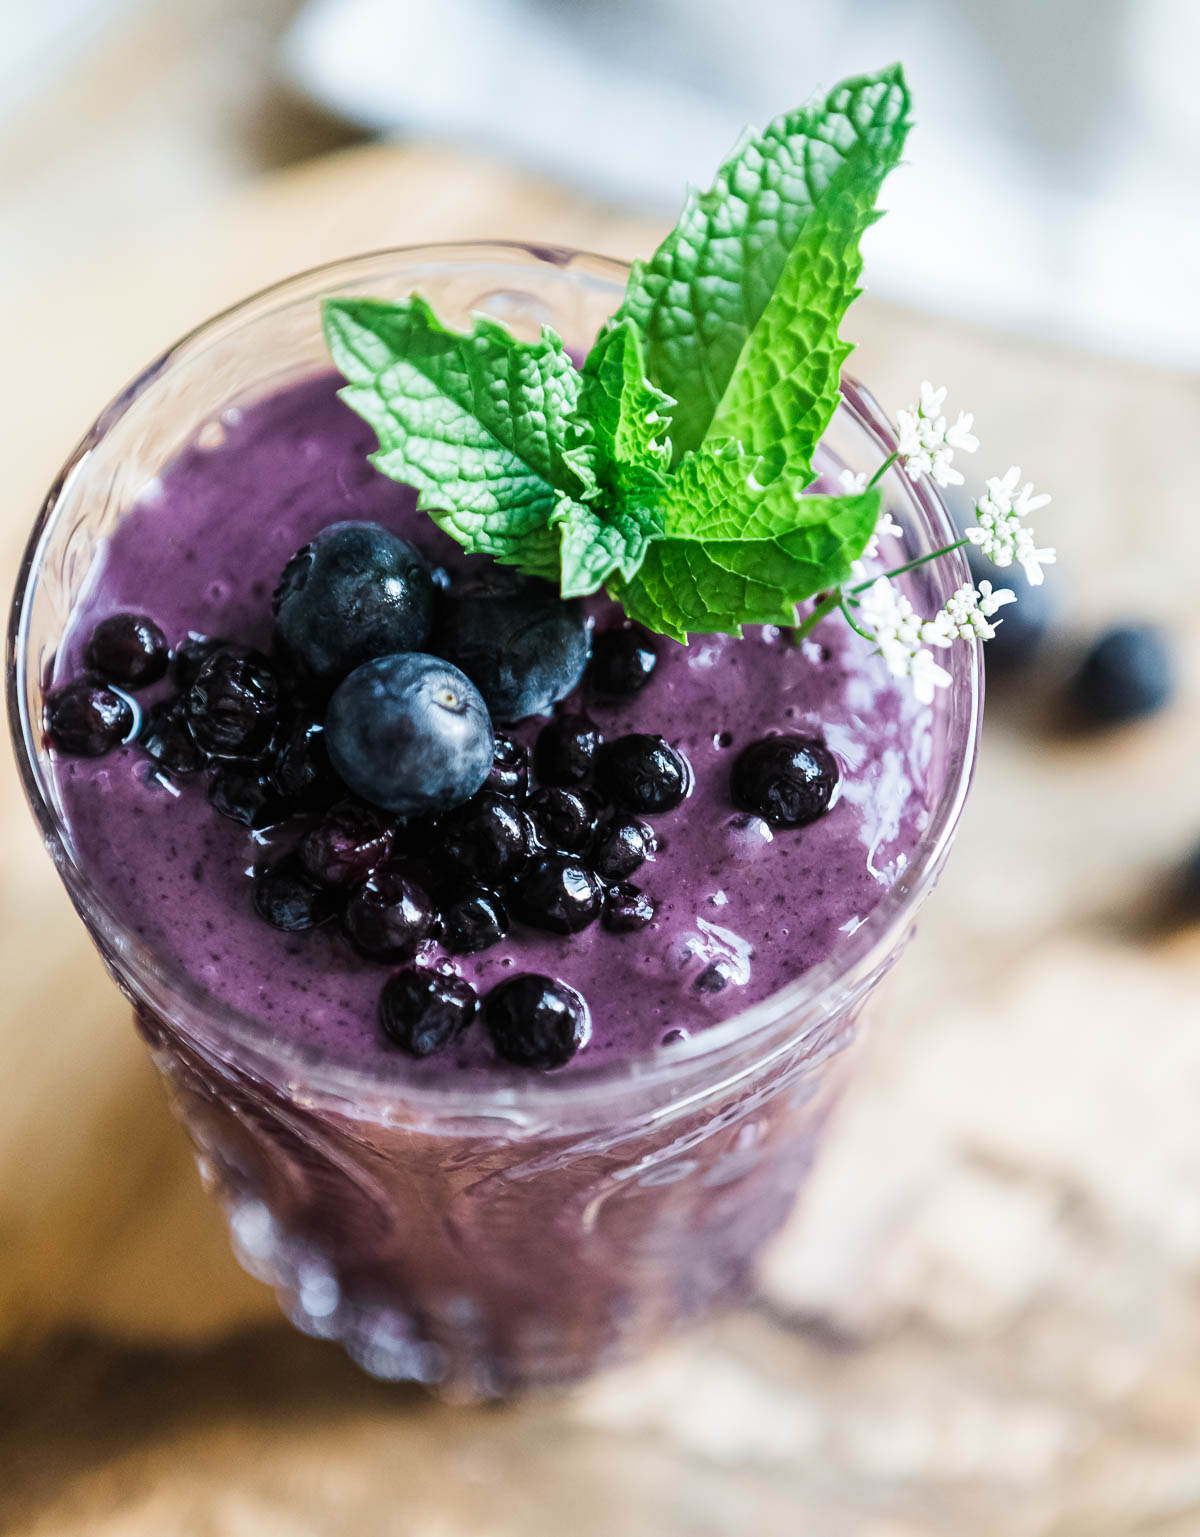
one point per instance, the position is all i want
(366, 744)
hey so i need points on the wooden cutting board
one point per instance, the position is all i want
(986, 1318)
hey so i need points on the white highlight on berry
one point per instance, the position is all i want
(1002, 534)
(927, 444)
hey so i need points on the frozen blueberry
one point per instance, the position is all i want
(302, 771)
(473, 917)
(165, 737)
(424, 1011)
(643, 773)
(348, 843)
(410, 733)
(129, 649)
(566, 750)
(191, 656)
(1128, 673)
(389, 916)
(565, 819)
(623, 661)
(490, 838)
(87, 719)
(536, 1021)
(288, 900)
(233, 706)
(622, 845)
(626, 908)
(787, 780)
(243, 793)
(558, 893)
(521, 644)
(509, 773)
(355, 593)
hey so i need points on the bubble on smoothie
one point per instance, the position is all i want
(747, 836)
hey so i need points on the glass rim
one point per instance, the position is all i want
(491, 1091)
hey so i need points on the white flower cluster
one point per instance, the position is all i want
(927, 443)
(904, 638)
(1001, 534)
(967, 614)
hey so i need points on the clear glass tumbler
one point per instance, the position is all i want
(493, 1231)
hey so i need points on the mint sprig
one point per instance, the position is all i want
(670, 467)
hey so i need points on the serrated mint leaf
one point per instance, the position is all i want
(596, 547)
(476, 421)
(704, 291)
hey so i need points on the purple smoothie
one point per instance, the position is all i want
(202, 550)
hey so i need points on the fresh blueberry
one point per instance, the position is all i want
(389, 916)
(129, 649)
(490, 838)
(233, 706)
(536, 1021)
(355, 593)
(191, 656)
(787, 780)
(626, 908)
(622, 845)
(565, 819)
(558, 893)
(410, 733)
(288, 900)
(424, 1011)
(302, 771)
(347, 844)
(87, 719)
(243, 793)
(623, 661)
(166, 739)
(643, 774)
(566, 750)
(473, 917)
(522, 645)
(509, 773)
(1128, 673)
(1019, 636)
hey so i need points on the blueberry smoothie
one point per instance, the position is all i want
(734, 907)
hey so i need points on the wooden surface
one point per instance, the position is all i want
(986, 1318)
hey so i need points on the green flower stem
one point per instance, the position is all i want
(912, 565)
(882, 470)
(826, 606)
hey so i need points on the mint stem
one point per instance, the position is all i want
(826, 606)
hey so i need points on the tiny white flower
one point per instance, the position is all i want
(927, 676)
(967, 612)
(1001, 534)
(926, 445)
(898, 633)
(885, 528)
(851, 483)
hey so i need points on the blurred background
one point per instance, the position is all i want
(986, 1316)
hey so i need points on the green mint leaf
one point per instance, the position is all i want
(703, 292)
(735, 551)
(478, 422)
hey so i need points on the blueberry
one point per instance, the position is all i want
(622, 845)
(626, 908)
(490, 838)
(129, 649)
(643, 773)
(522, 645)
(509, 773)
(715, 977)
(566, 750)
(355, 593)
(243, 793)
(565, 819)
(347, 844)
(191, 656)
(166, 739)
(389, 916)
(623, 661)
(424, 1011)
(1128, 673)
(787, 780)
(409, 733)
(558, 893)
(1018, 639)
(536, 1021)
(302, 771)
(473, 917)
(87, 719)
(288, 900)
(233, 706)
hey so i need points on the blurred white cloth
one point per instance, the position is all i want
(1053, 181)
